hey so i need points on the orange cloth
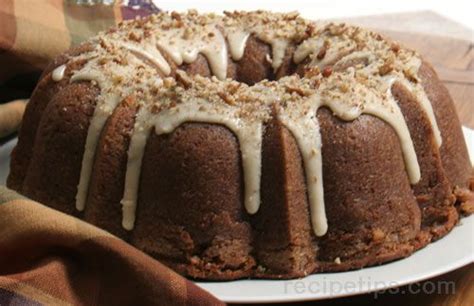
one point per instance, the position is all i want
(47, 257)
(32, 33)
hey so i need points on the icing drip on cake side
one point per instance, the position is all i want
(105, 106)
(136, 60)
(327, 49)
(58, 73)
(249, 135)
(237, 40)
(184, 46)
(305, 129)
(150, 54)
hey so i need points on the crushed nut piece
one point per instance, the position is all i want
(327, 71)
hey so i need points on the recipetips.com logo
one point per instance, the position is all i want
(334, 287)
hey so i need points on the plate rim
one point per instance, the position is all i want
(400, 282)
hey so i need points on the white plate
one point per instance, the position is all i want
(452, 252)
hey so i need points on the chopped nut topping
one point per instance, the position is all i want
(327, 71)
(321, 53)
(343, 87)
(293, 89)
(187, 33)
(387, 67)
(312, 72)
(337, 29)
(134, 36)
(226, 97)
(183, 79)
(176, 15)
(395, 47)
(354, 60)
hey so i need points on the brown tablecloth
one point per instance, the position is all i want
(47, 257)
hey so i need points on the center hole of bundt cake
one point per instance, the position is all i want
(254, 66)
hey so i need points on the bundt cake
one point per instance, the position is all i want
(249, 144)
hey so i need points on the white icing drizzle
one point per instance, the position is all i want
(181, 49)
(107, 101)
(138, 140)
(390, 112)
(104, 108)
(135, 74)
(150, 53)
(400, 127)
(394, 117)
(301, 123)
(312, 46)
(58, 73)
(249, 135)
(305, 129)
(307, 47)
(422, 98)
(237, 40)
(278, 50)
(367, 56)
(278, 32)
(416, 89)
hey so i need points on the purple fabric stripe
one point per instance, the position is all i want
(13, 298)
(138, 8)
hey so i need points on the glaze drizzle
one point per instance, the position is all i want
(138, 60)
(58, 73)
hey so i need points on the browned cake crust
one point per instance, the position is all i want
(191, 215)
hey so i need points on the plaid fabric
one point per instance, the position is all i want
(49, 258)
(34, 32)
(46, 257)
